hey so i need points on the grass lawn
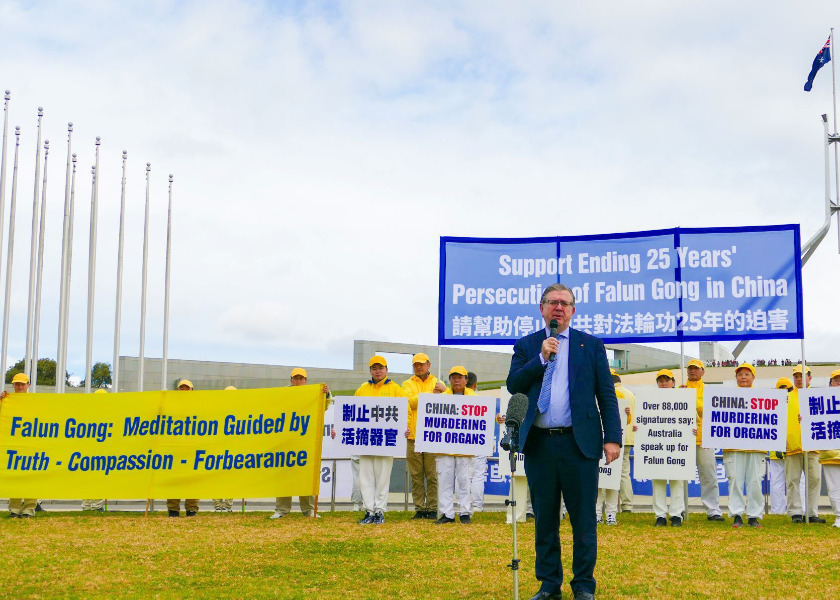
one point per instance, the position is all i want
(246, 555)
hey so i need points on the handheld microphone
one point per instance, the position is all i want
(552, 326)
(517, 407)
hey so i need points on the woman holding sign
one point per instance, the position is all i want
(455, 471)
(745, 468)
(665, 380)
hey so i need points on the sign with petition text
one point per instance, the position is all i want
(665, 441)
(745, 418)
(172, 444)
(370, 426)
(665, 285)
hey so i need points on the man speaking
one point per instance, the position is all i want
(571, 397)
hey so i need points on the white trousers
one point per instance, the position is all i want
(479, 475)
(626, 484)
(745, 470)
(607, 502)
(832, 482)
(356, 494)
(454, 473)
(707, 473)
(660, 507)
(375, 481)
(794, 469)
(778, 503)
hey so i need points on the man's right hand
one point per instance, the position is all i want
(549, 347)
(3, 394)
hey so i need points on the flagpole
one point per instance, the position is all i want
(36, 332)
(66, 314)
(33, 249)
(61, 359)
(9, 254)
(115, 368)
(165, 369)
(7, 97)
(94, 200)
(141, 371)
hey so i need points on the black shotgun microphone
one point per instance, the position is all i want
(552, 326)
(517, 407)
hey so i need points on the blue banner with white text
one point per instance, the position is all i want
(677, 284)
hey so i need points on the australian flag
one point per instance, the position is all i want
(823, 56)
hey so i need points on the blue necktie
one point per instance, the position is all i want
(545, 391)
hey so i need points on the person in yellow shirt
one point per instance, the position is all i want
(830, 461)
(454, 471)
(173, 505)
(626, 491)
(375, 471)
(796, 460)
(421, 465)
(706, 461)
(283, 505)
(776, 466)
(20, 508)
(745, 469)
(607, 500)
(665, 379)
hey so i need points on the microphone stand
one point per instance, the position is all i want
(514, 563)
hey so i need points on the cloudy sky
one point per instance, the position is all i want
(320, 150)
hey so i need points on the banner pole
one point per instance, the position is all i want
(60, 359)
(33, 251)
(804, 454)
(141, 370)
(10, 253)
(115, 367)
(332, 495)
(92, 271)
(682, 384)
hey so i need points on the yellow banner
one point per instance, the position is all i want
(174, 444)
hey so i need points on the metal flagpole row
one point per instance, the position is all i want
(115, 367)
(32, 254)
(165, 363)
(9, 255)
(94, 201)
(61, 359)
(36, 330)
(62, 341)
(142, 370)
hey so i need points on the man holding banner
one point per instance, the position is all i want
(706, 461)
(572, 419)
(665, 380)
(830, 461)
(421, 465)
(20, 508)
(375, 471)
(796, 461)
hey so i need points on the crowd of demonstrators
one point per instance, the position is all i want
(450, 488)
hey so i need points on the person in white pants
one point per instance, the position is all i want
(745, 468)
(454, 471)
(479, 463)
(607, 500)
(776, 466)
(665, 380)
(375, 471)
(830, 461)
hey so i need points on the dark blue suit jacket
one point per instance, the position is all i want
(595, 417)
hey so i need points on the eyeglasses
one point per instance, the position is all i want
(563, 303)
